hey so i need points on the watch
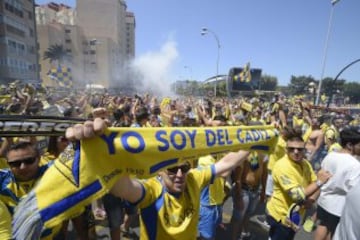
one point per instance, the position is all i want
(319, 183)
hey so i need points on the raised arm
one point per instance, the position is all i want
(230, 161)
(127, 188)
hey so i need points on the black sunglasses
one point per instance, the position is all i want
(26, 161)
(292, 149)
(184, 169)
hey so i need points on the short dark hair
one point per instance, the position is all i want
(292, 134)
(118, 114)
(22, 145)
(141, 113)
(350, 134)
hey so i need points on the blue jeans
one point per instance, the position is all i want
(279, 231)
(251, 201)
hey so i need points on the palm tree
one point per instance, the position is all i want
(56, 53)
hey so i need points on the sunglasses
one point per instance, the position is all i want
(292, 149)
(26, 161)
(184, 169)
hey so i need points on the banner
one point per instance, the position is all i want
(21, 125)
(79, 177)
(62, 76)
(244, 75)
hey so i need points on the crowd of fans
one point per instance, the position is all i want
(313, 167)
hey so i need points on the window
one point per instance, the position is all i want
(67, 30)
(68, 40)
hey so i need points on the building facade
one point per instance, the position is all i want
(54, 13)
(18, 43)
(56, 26)
(130, 35)
(105, 25)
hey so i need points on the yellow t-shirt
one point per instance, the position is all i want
(5, 222)
(335, 147)
(167, 216)
(46, 158)
(279, 152)
(297, 122)
(12, 191)
(3, 163)
(307, 134)
(287, 175)
(212, 194)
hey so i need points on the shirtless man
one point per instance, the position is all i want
(314, 144)
(249, 187)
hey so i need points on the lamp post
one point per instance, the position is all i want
(336, 78)
(333, 2)
(205, 31)
(312, 91)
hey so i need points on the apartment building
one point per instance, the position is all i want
(54, 13)
(130, 35)
(18, 44)
(71, 38)
(104, 25)
(56, 26)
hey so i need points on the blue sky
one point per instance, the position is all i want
(283, 37)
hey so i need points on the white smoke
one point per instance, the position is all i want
(152, 70)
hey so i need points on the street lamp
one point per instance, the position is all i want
(205, 31)
(312, 91)
(333, 2)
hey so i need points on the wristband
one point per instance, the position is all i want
(319, 183)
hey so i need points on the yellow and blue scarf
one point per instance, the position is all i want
(87, 172)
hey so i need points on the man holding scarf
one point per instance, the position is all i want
(169, 202)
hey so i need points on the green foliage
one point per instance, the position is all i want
(56, 53)
(352, 90)
(300, 85)
(268, 83)
(329, 87)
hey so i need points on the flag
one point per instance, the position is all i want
(62, 76)
(244, 75)
(93, 168)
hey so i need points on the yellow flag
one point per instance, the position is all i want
(79, 177)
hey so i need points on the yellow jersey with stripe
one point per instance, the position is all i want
(3, 163)
(172, 216)
(335, 147)
(5, 222)
(213, 193)
(279, 152)
(11, 192)
(288, 175)
(46, 158)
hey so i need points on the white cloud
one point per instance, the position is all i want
(153, 70)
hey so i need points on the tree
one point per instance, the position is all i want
(299, 85)
(56, 53)
(352, 90)
(328, 86)
(268, 83)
